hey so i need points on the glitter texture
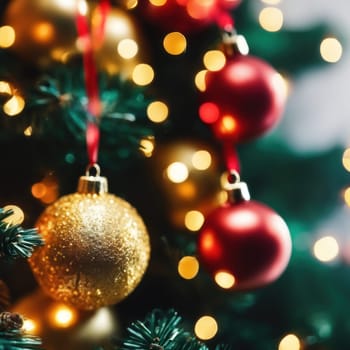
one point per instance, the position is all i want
(96, 250)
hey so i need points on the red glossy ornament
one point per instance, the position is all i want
(185, 15)
(243, 100)
(245, 239)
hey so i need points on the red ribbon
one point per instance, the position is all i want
(94, 105)
(231, 157)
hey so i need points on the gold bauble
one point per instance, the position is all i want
(199, 191)
(46, 32)
(96, 247)
(62, 327)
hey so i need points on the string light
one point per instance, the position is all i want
(7, 36)
(214, 60)
(289, 342)
(194, 220)
(206, 328)
(177, 172)
(271, 19)
(331, 50)
(174, 43)
(157, 111)
(142, 74)
(188, 267)
(326, 249)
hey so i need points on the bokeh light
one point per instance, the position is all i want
(28, 131)
(346, 159)
(127, 48)
(224, 279)
(142, 74)
(29, 326)
(177, 172)
(331, 50)
(188, 267)
(158, 2)
(271, 19)
(5, 88)
(17, 217)
(174, 43)
(62, 316)
(289, 342)
(214, 60)
(206, 328)
(147, 146)
(346, 196)
(201, 160)
(14, 106)
(199, 80)
(209, 112)
(157, 111)
(194, 220)
(7, 36)
(43, 32)
(131, 4)
(46, 190)
(326, 249)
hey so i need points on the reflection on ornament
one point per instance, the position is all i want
(96, 247)
(188, 174)
(62, 327)
(244, 244)
(47, 33)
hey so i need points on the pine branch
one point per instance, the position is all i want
(16, 340)
(160, 331)
(56, 107)
(14, 240)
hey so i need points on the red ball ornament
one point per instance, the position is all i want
(246, 240)
(243, 100)
(185, 15)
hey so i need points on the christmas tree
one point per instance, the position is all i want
(132, 133)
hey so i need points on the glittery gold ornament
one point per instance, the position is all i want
(46, 33)
(96, 247)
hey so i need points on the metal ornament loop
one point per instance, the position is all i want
(93, 166)
(237, 191)
(92, 184)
